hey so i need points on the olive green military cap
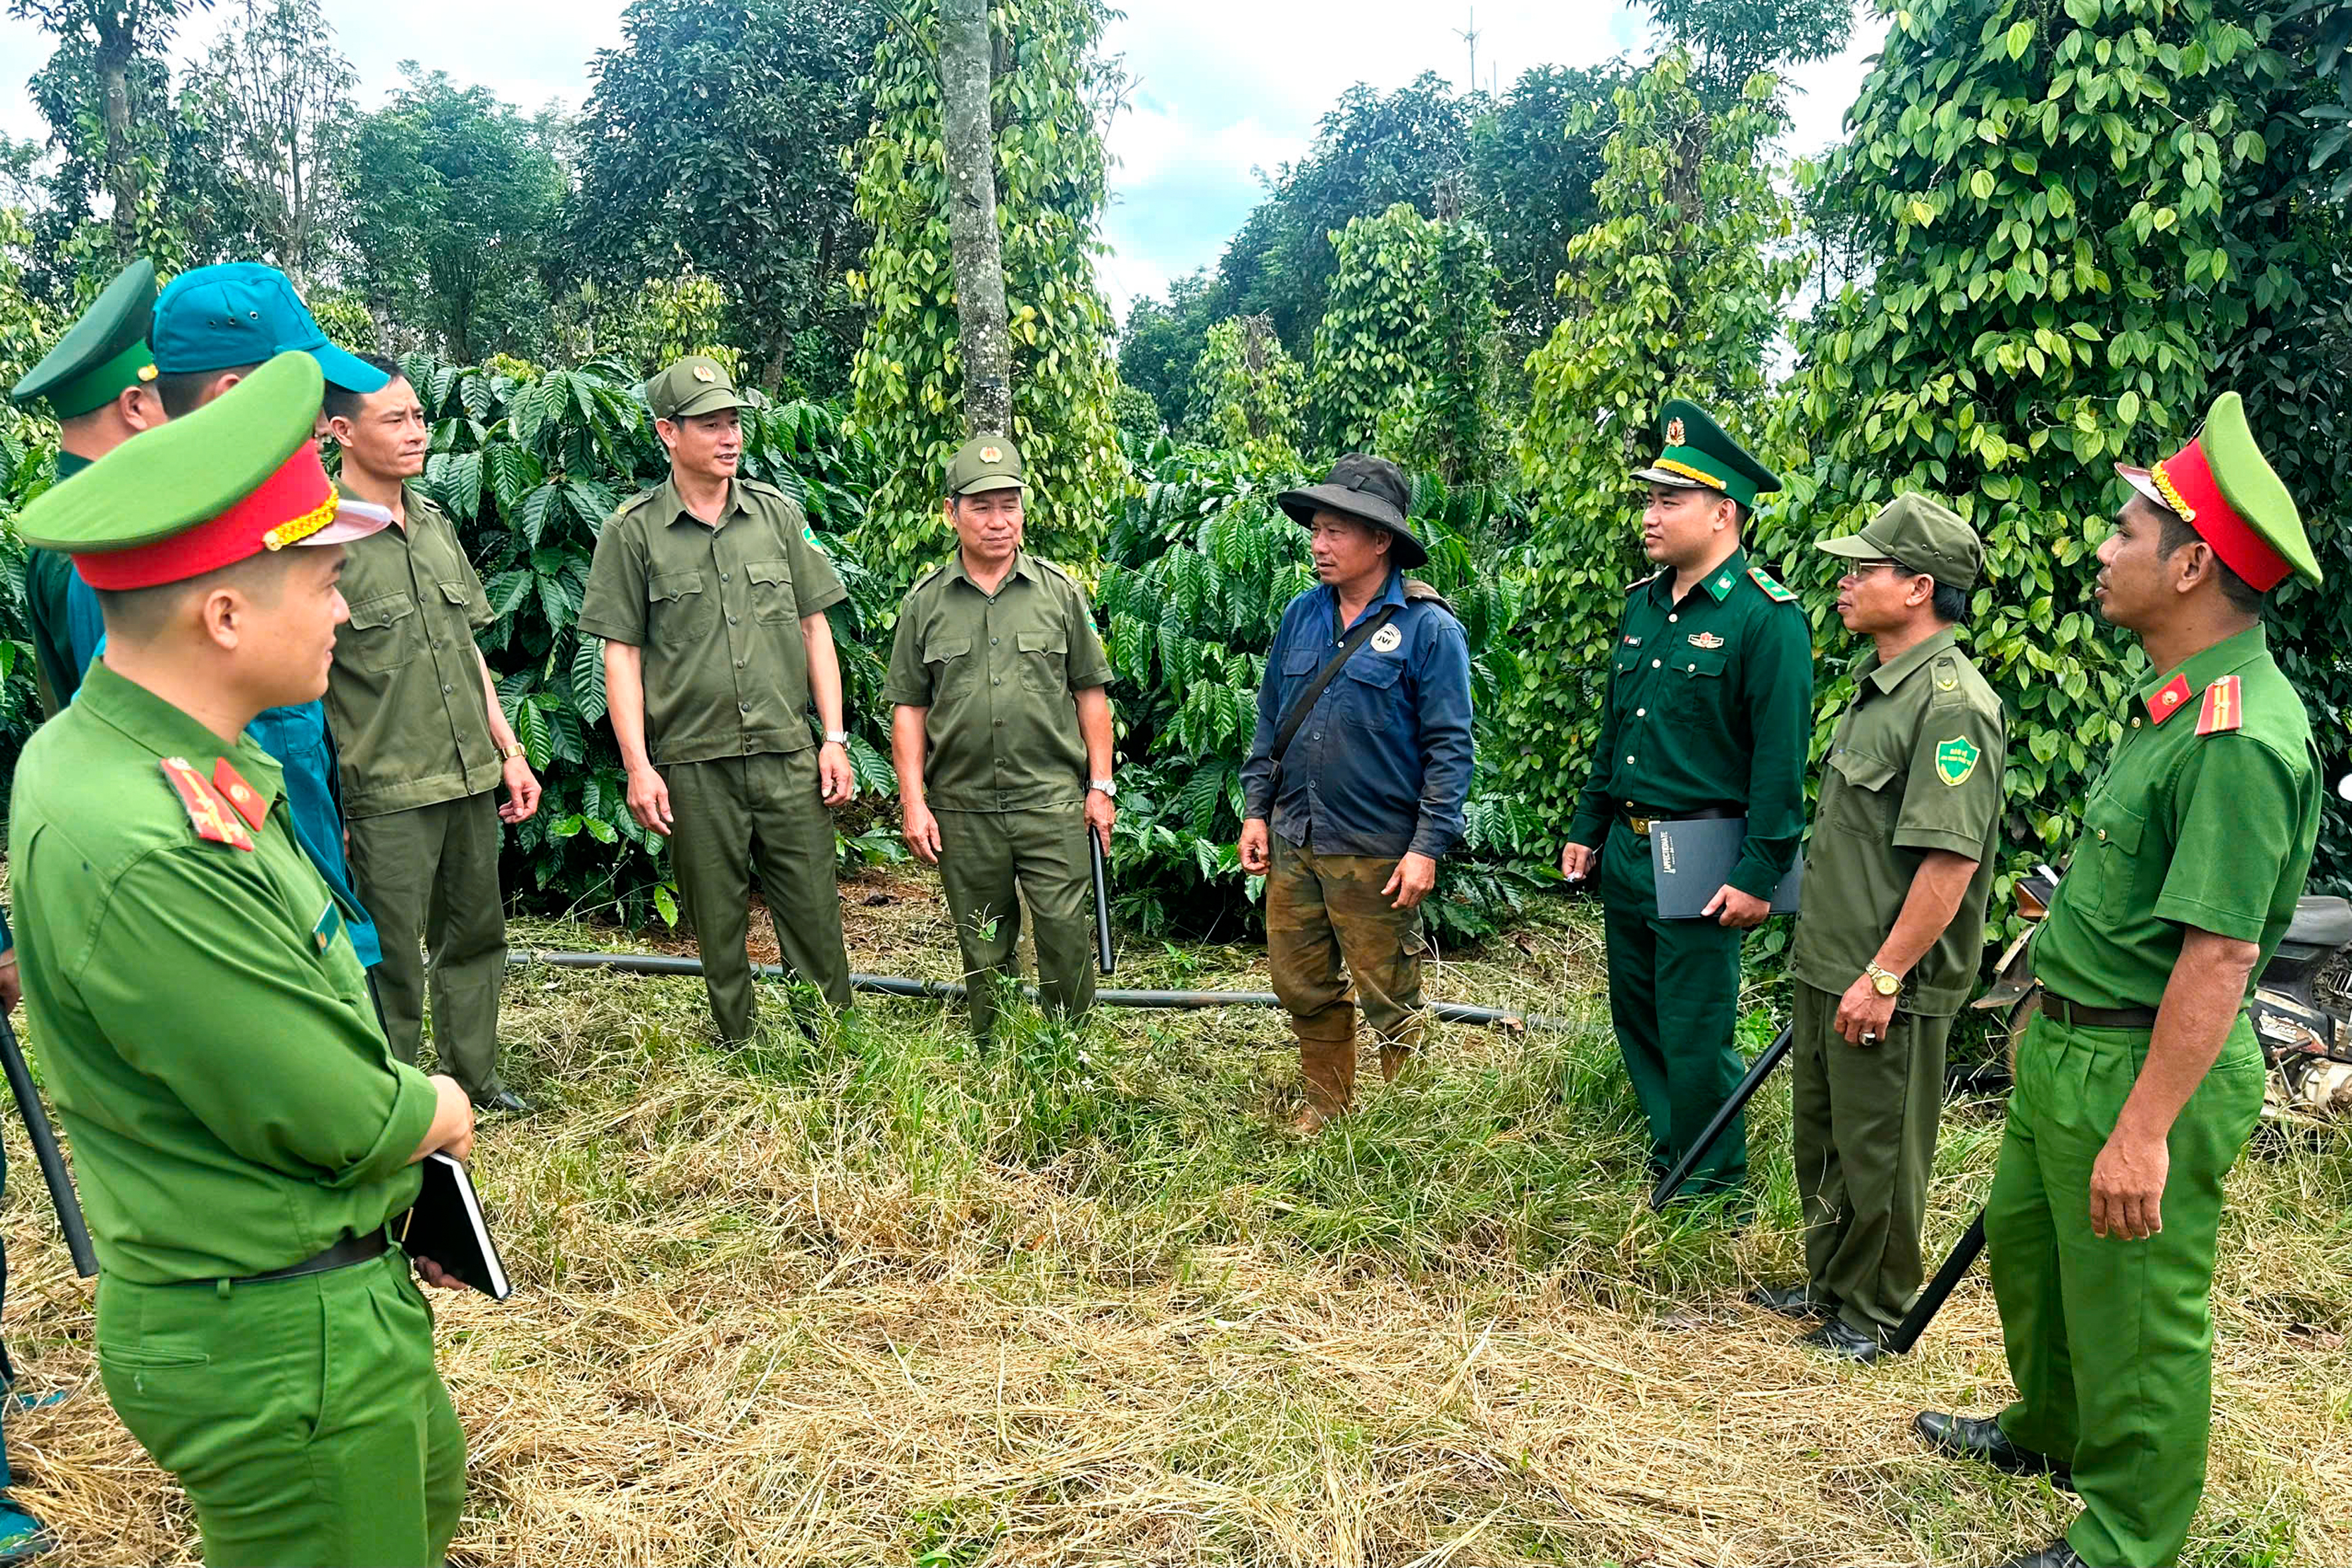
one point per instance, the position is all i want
(101, 355)
(695, 385)
(1922, 534)
(986, 463)
(1699, 455)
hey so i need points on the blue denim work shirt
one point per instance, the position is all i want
(1381, 767)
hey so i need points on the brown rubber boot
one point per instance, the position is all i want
(1327, 1068)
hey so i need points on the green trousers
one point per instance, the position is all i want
(304, 1417)
(988, 861)
(429, 876)
(763, 816)
(1327, 925)
(2110, 1340)
(1863, 1135)
(1673, 996)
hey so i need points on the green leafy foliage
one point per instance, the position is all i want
(907, 378)
(1247, 393)
(1375, 342)
(1444, 423)
(1676, 290)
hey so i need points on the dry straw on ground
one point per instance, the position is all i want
(871, 1302)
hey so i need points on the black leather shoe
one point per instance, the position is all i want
(1839, 1337)
(505, 1102)
(2057, 1555)
(1980, 1438)
(1799, 1301)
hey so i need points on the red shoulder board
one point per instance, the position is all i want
(2223, 708)
(206, 815)
(2168, 698)
(248, 800)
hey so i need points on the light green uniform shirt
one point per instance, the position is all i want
(2213, 831)
(1915, 765)
(718, 612)
(404, 699)
(200, 1016)
(999, 673)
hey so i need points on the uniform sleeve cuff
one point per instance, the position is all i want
(412, 1107)
(834, 596)
(1757, 881)
(1959, 844)
(612, 631)
(2236, 924)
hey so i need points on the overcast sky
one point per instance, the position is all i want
(1221, 88)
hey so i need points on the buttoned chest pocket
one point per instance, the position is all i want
(1870, 793)
(460, 605)
(1376, 694)
(1694, 679)
(952, 665)
(1045, 662)
(2107, 859)
(771, 591)
(680, 607)
(382, 634)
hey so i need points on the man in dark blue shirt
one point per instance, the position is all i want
(1348, 822)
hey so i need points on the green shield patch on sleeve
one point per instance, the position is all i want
(1956, 760)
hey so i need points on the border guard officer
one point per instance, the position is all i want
(2141, 1079)
(1709, 713)
(241, 1130)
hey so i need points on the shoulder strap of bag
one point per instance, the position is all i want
(1289, 729)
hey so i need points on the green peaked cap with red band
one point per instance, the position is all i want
(2221, 486)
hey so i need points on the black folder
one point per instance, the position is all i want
(1692, 861)
(446, 1226)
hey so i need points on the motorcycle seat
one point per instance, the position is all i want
(2321, 922)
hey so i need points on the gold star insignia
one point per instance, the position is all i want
(1675, 433)
(991, 454)
(702, 373)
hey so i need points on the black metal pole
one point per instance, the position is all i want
(1774, 1054)
(1103, 954)
(44, 1139)
(1939, 1289)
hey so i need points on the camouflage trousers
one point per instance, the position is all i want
(1323, 911)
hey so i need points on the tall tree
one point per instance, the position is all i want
(967, 147)
(278, 93)
(1161, 341)
(715, 137)
(1530, 179)
(1048, 96)
(454, 199)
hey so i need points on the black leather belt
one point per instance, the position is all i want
(342, 1254)
(2074, 1016)
(1642, 818)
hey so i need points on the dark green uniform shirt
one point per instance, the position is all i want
(199, 1014)
(718, 612)
(998, 672)
(48, 575)
(2211, 830)
(1916, 765)
(1709, 703)
(405, 696)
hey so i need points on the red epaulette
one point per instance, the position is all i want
(206, 813)
(2223, 709)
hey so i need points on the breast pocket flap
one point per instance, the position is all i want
(1042, 642)
(674, 586)
(1862, 770)
(383, 610)
(773, 573)
(1381, 672)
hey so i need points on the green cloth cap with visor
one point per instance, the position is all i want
(986, 463)
(101, 355)
(695, 385)
(1923, 534)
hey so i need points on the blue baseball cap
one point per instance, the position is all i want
(241, 312)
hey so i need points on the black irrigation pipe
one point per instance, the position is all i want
(948, 990)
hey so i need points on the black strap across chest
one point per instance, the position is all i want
(1287, 731)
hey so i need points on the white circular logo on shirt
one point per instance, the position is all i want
(1387, 639)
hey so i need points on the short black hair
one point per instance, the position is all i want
(342, 403)
(182, 391)
(2176, 535)
(1950, 604)
(135, 614)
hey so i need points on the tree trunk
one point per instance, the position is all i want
(113, 60)
(985, 341)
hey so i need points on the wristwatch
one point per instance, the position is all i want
(1886, 982)
(1110, 790)
(836, 737)
(510, 751)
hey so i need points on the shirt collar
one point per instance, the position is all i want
(1887, 676)
(1021, 568)
(1718, 584)
(70, 464)
(168, 731)
(412, 502)
(672, 507)
(1392, 593)
(2165, 695)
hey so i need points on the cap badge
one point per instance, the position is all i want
(992, 454)
(1675, 433)
(1705, 640)
(702, 373)
(1387, 639)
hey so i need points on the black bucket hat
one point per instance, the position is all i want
(1370, 489)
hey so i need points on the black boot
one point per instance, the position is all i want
(1980, 1438)
(1839, 1337)
(1800, 1301)
(2057, 1555)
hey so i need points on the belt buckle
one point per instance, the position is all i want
(1640, 825)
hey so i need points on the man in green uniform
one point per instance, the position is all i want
(1001, 734)
(423, 745)
(1708, 714)
(710, 592)
(1890, 927)
(2140, 1079)
(241, 1132)
(98, 380)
